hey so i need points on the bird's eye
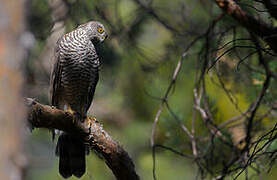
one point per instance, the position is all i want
(100, 30)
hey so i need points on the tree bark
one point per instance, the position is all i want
(91, 131)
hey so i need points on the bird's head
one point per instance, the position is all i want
(95, 31)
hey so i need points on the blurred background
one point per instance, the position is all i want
(148, 40)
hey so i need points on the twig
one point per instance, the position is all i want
(158, 114)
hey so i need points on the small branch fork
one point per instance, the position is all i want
(163, 104)
(164, 100)
(92, 132)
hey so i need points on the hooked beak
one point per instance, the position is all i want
(103, 37)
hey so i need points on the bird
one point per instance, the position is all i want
(73, 81)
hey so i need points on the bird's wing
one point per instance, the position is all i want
(55, 80)
(95, 78)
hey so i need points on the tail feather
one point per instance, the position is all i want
(72, 156)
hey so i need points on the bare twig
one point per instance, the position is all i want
(158, 114)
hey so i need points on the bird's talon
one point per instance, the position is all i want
(89, 124)
(70, 111)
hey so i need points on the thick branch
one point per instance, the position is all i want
(258, 27)
(117, 159)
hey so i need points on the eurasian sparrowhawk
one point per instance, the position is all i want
(73, 82)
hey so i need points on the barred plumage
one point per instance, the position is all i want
(73, 82)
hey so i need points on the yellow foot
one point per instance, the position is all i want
(73, 113)
(89, 122)
(70, 111)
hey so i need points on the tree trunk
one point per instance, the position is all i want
(12, 111)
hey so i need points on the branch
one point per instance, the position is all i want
(165, 98)
(258, 27)
(152, 13)
(116, 158)
(271, 6)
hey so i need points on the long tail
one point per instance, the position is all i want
(72, 154)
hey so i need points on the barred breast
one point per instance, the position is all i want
(80, 64)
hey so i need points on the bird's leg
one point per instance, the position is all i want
(69, 110)
(76, 115)
(89, 124)
(90, 119)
